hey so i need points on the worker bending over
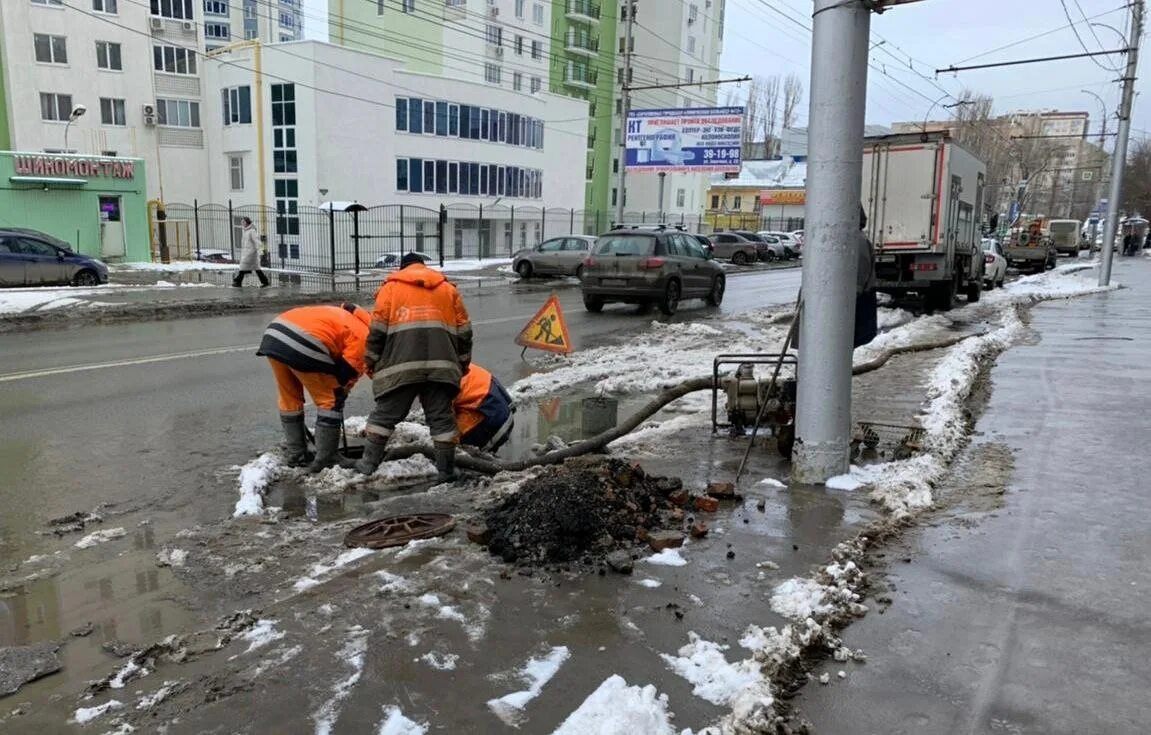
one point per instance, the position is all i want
(318, 349)
(484, 411)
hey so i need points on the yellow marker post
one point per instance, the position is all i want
(547, 330)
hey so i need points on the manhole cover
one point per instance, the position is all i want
(399, 530)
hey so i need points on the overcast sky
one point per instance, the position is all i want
(759, 40)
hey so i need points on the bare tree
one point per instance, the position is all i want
(752, 116)
(771, 90)
(1137, 179)
(792, 97)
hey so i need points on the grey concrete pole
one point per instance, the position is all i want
(662, 176)
(1119, 157)
(838, 99)
(621, 185)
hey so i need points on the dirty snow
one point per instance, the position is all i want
(846, 482)
(255, 477)
(127, 673)
(394, 723)
(99, 537)
(446, 662)
(652, 583)
(392, 582)
(771, 482)
(171, 557)
(261, 634)
(536, 674)
(799, 598)
(321, 572)
(353, 655)
(618, 709)
(84, 715)
(123, 729)
(704, 666)
(666, 558)
(282, 656)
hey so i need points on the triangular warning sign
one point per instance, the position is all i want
(547, 330)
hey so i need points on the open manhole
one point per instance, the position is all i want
(399, 530)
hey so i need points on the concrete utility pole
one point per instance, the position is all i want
(838, 100)
(1119, 158)
(626, 89)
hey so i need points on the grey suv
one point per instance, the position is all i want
(650, 266)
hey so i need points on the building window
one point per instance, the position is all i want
(401, 174)
(108, 56)
(690, 75)
(736, 201)
(520, 8)
(538, 14)
(112, 111)
(236, 172)
(402, 114)
(715, 201)
(519, 45)
(691, 44)
(178, 9)
(491, 74)
(408, 6)
(55, 106)
(215, 7)
(174, 59)
(680, 196)
(429, 117)
(287, 210)
(517, 81)
(537, 85)
(537, 50)
(692, 14)
(104, 6)
(494, 34)
(48, 2)
(178, 113)
(50, 49)
(237, 105)
(217, 30)
(284, 153)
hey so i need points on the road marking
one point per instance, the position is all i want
(30, 374)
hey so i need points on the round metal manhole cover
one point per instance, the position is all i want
(399, 530)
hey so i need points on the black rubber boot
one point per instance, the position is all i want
(374, 451)
(296, 452)
(445, 461)
(327, 448)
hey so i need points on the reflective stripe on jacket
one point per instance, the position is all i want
(319, 339)
(420, 331)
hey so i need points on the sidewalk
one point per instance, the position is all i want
(1026, 611)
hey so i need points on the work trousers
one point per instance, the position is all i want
(325, 391)
(393, 407)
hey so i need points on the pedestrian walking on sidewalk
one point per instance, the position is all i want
(866, 302)
(318, 349)
(250, 251)
(419, 346)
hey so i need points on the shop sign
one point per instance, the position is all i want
(44, 165)
(783, 196)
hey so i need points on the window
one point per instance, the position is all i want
(537, 84)
(715, 201)
(415, 175)
(178, 113)
(55, 106)
(104, 6)
(216, 7)
(112, 111)
(415, 115)
(690, 75)
(236, 172)
(680, 196)
(537, 50)
(517, 81)
(174, 60)
(401, 172)
(442, 118)
(50, 49)
(48, 2)
(429, 176)
(402, 114)
(736, 201)
(691, 44)
(237, 105)
(408, 6)
(108, 56)
(429, 117)
(441, 177)
(519, 45)
(178, 9)
(494, 34)
(453, 120)
(520, 8)
(217, 30)
(287, 211)
(284, 154)
(379, 7)
(692, 14)
(491, 74)
(538, 14)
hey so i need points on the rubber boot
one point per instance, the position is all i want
(374, 451)
(296, 452)
(445, 461)
(327, 448)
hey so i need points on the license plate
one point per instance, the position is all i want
(613, 282)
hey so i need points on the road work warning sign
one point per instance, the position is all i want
(547, 330)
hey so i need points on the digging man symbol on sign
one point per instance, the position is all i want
(547, 329)
(544, 332)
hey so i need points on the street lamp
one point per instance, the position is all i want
(77, 113)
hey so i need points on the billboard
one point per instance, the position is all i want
(690, 140)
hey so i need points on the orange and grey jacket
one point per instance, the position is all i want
(483, 409)
(420, 331)
(319, 339)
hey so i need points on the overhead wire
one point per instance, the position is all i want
(1075, 30)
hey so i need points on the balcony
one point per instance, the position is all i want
(582, 43)
(580, 77)
(582, 10)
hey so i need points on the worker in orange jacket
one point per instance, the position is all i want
(318, 349)
(484, 411)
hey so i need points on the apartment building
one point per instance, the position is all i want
(267, 21)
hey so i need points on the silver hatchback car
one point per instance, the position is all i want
(556, 256)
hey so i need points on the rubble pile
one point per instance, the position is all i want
(581, 512)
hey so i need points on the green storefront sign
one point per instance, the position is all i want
(97, 204)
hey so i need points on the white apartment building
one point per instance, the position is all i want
(268, 21)
(134, 66)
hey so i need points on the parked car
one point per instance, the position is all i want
(994, 264)
(557, 256)
(707, 244)
(791, 246)
(733, 247)
(797, 235)
(214, 256)
(33, 258)
(392, 260)
(769, 248)
(644, 267)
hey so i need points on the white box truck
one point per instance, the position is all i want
(923, 194)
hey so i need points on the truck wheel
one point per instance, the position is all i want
(974, 290)
(942, 296)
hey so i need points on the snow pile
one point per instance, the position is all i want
(649, 583)
(772, 482)
(254, 480)
(151, 700)
(261, 634)
(127, 673)
(447, 662)
(392, 583)
(536, 674)
(353, 655)
(848, 482)
(666, 558)
(322, 572)
(394, 723)
(177, 266)
(25, 301)
(171, 557)
(99, 537)
(704, 666)
(618, 709)
(799, 598)
(84, 715)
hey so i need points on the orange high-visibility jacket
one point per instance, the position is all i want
(420, 331)
(474, 389)
(319, 339)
